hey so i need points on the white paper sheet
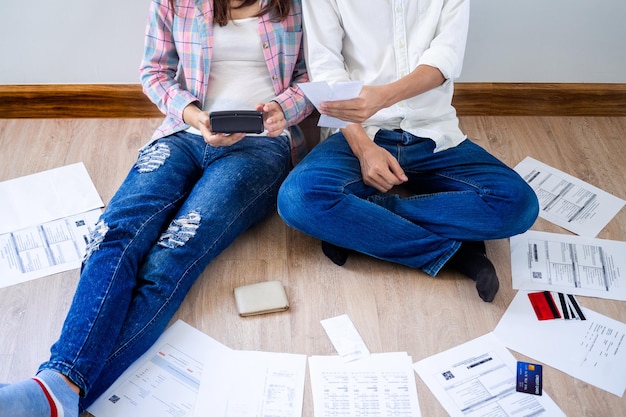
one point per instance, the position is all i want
(593, 350)
(567, 201)
(569, 264)
(45, 220)
(381, 384)
(320, 91)
(252, 384)
(477, 379)
(45, 249)
(345, 337)
(163, 382)
(49, 195)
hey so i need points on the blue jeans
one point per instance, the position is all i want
(459, 194)
(182, 204)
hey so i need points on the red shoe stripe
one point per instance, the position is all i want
(51, 402)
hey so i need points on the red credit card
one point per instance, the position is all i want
(544, 305)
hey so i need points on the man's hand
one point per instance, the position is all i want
(356, 110)
(378, 167)
(373, 98)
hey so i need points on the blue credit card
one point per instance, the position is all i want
(529, 378)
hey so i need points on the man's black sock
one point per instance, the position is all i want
(471, 261)
(337, 254)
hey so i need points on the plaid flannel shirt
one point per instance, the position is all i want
(177, 58)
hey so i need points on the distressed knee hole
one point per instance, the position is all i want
(152, 157)
(180, 231)
(96, 236)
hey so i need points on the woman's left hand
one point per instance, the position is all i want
(273, 118)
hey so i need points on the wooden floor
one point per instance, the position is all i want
(393, 307)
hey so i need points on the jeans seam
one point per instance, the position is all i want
(481, 190)
(435, 266)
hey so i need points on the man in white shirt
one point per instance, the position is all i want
(403, 131)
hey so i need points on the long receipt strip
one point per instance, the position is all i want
(345, 338)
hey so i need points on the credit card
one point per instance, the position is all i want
(529, 378)
(564, 306)
(544, 305)
(577, 312)
(555, 305)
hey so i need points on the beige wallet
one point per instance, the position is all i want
(261, 298)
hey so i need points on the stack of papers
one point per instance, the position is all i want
(165, 380)
(380, 384)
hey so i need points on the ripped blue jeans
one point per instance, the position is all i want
(182, 203)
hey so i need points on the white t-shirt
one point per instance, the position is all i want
(238, 77)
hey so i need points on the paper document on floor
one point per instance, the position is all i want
(592, 350)
(478, 379)
(381, 384)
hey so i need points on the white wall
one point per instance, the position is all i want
(89, 41)
(546, 41)
(71, 41)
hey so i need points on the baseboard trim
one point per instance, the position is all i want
(540, 99)
(470, 99)
(59, 101)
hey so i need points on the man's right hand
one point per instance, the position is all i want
(378, 167)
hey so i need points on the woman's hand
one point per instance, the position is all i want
(199, 119)
(273, 118)
(273, 121)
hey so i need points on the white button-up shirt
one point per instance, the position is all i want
(381, 41)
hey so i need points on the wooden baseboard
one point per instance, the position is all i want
(59, 101)
(540, 99)
(491, 99)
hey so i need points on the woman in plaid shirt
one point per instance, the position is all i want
(188, 196)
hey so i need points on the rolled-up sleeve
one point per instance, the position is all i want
(446, 50)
